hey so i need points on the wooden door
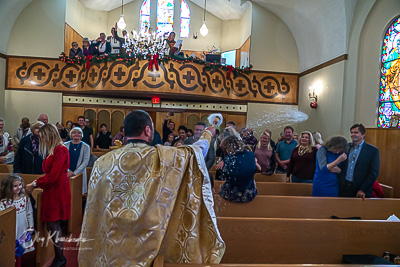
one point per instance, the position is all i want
(117, 119)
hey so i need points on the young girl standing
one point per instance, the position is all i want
(12, 194)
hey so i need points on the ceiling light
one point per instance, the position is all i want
(204, 29)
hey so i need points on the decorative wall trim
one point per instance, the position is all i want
(324, 65)
(173, 78)
(168, 105)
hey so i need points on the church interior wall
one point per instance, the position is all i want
(328, 84)
(24, 103)
(87, 22)
(2, 85)
(273, 47)
(236, 32)
(369, 52)
(39, 30)
(350, 79)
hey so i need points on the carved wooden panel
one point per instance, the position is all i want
(70, 35)
(183, 79)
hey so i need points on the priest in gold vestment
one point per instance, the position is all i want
(145, 201)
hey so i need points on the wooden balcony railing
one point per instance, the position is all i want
(184, 79)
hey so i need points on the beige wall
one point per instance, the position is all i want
(23, 103)
(87, 22)
(369, 52)
(326, 118)
(231, 30)
(2, 85)
(273, 47)
(236, 32)
(39, 30)
(214, 24)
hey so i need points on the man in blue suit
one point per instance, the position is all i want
(361, 168)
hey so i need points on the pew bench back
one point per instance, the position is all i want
(7, 237)
(308, 207)
(276, 188)
(304, 241)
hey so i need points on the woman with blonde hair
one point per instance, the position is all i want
(56, 197)
(302, 160)
(265, 154)
(318, 139)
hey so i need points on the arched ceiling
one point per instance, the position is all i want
(321, 28)
(9, 12)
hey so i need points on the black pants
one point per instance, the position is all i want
(348, 190)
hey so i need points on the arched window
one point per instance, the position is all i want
(144, 20)
(165, 16)
(389, 93)
(185, 20)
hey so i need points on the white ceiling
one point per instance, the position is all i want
(104, 5)
(223, 9)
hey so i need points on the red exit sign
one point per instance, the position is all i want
(155, 100)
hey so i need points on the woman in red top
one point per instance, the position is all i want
(302, 161)
(56, 205)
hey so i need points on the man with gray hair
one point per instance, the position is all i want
(43, 118)
(22, 131)
(199, 128)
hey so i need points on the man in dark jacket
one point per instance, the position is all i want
(361, 168)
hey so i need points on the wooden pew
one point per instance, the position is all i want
(88, 173)
(100, 153)
(258, 177)
(276, 177)
(276, 188)
(387, 191)
(6, 168)
(7, 237)
(44, 253)
(300, 241)
(308, 207)
(305, 241)
(159, 262)
(75, 182)
(75, 223)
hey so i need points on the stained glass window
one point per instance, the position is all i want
(185, 19)
(144, 16)
(165, 16)
(389, 98)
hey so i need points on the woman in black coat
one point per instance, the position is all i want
(27, 159)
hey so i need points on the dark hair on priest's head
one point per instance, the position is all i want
(360, 127)
(135, 122)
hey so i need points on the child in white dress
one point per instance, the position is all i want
(12, 194)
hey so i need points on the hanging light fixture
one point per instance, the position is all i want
(121, 23)
(204, 29)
